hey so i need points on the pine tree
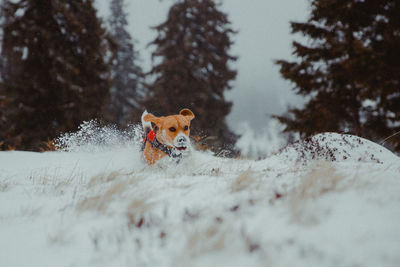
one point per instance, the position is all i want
(126, 88)
(3, 73)
(56, 56)
(193, 68)
(350, 71)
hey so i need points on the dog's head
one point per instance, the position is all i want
(173, 130)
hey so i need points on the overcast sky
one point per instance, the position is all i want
(263, 36)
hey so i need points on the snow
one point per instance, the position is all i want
(332, 200)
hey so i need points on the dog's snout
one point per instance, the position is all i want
(181, 139)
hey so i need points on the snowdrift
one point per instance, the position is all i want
(331, 200)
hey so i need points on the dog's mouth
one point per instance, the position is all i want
(181, 148)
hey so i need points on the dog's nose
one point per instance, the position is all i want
(181, 139)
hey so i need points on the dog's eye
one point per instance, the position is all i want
(186, 128)
(172, 129)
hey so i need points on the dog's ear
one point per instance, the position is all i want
(151, 118)
(187, 113)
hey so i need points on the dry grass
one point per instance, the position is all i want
(138, 206)
(212, 238)
(30, 211)
(48, 146)
(7, 147)
(89, 203)
(323, 178)
(101, 202)
(53, 182)
(3, 186)
(117, 184)
(65, 182)
(136, 211)
(243, 181)
(103, 178)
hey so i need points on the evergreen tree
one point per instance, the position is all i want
(193, 68)
(2, 94)
(350, 71)
(57, 72)
(126, 88)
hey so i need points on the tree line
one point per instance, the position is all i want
(348, 70)
(60, 65)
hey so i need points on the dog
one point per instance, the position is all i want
(168, 137)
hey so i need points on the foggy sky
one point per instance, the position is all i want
(263, 36)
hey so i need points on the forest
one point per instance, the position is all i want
(61, 65)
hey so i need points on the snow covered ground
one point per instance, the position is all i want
(333, 200)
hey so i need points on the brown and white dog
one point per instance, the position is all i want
(168, 137)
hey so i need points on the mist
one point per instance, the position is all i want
(263, 35)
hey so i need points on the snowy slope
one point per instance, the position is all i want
(332, 200)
